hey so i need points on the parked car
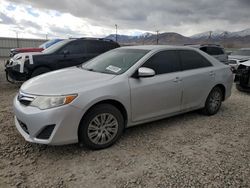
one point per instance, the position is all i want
(242, 77)
(66, 53)
(43, 46)
(214, 50)
(93, 103)
(239, 56)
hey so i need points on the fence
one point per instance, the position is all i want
(8, 43)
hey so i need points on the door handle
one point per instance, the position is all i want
(212, 73)
(177, 79)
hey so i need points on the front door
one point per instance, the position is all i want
(159, 95)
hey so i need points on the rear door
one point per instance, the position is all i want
(198, 78)
(158, 95)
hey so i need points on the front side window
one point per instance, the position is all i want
(116, 61)
(193, 60)
(164, 62)
(75, 47)
(56, 47)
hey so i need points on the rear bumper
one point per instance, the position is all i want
(242, 79)
(242, 88)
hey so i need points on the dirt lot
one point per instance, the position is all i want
(183, 151)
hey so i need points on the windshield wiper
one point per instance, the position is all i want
(88, 69)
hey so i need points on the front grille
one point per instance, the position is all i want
(25, 99)
(23, 126)
(46, 132)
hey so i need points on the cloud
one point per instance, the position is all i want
(4, 19)
(148, 14)
(28, 24)
(96, 17)
(32, 12)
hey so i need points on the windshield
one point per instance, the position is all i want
(49, 43)
(116, 61)
(55, 47)
(241, 52)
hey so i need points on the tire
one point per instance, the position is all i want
(238, 87)
(213, 102)
(94, 133)
(39, 71)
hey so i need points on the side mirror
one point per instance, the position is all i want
(145, 72)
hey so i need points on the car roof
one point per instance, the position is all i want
(203, 45)
(93, 39)
(158, 47)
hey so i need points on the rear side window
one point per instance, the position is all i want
(98, 47)
(212, 50)
(164, 62)
(193, 60)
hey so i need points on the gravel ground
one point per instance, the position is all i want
(189, 150)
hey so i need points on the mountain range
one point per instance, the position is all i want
(225, 38)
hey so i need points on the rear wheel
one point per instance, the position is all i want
(39, 71)
(101, 127)
(213, 102)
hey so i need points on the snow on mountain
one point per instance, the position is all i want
(145, 35)
(242, 33)
(220, 34)
(214, 34)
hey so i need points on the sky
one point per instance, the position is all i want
(97, 18)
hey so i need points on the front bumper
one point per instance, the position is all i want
(13, 73)
(31, 122)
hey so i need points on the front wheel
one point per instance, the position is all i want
(213, 102)
(101, 127)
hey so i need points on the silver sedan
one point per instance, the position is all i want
(93, 103)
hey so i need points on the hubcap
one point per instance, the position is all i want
(215, 101)
(102, 128)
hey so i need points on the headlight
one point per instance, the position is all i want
(13, 62)
(46, 102)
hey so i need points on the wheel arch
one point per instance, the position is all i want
(113, 102)
(39, 66)
(223, 89)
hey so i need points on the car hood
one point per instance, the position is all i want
(17, 56)
(65, 81)
(247, 63)
(239, 57)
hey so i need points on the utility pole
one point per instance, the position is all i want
(116, 32)
(46, 36)
(157, 37)
(17, 41)
(210, 34)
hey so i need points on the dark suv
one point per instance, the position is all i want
(214, 50)
(67, 53)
